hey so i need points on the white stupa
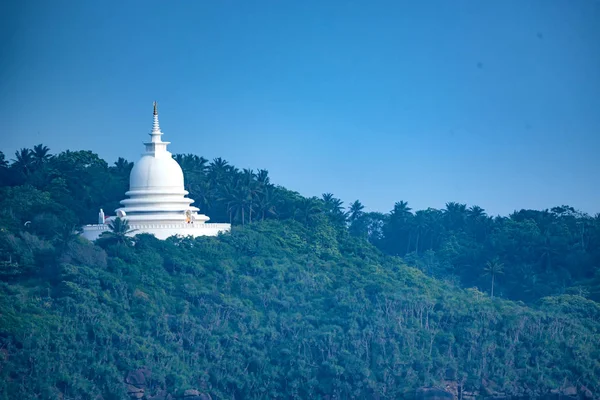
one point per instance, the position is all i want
(157, 202)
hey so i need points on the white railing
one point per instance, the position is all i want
(104, 227)
(95, 227)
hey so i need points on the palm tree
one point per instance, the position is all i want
(477, 222)
(262, 177)
(250, 189)
(240, 196)
(203, 193)
(192, 163)
(355, 211)
(119, 231)
(219, 164)
(218, 171)
(401, 211)
(398, 229)
(197, 164)
(455, 215)
(122, 166)
(232, 197)
(3, 162)
(23, 160)
(435, 225)
(476, 212)
(493, 268)
(330, 202)
(41, 154)
(266, 202)
(334, 207)
(421, 224)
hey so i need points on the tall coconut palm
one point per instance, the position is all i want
(399, 228)
(218, 171)
(219, 164)
(262, 178)
(250, 189)
(231, 196)
(493, 268)
(477, 222)
(204, 194)
(331, 203)
(401, 211)
(355, 211)
(421, 225)
(476, 212)
(335, 209)
(40, 154)
(455, 215)
(200, 164)
(23, 161)
(239, 199)
(266, 202)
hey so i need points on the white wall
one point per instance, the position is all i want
(92, 232)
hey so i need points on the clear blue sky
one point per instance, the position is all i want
(494, 103)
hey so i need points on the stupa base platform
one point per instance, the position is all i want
(160, 231)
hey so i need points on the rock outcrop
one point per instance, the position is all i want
(136, 382)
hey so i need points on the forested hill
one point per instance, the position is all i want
(530, 254)
(304, 299)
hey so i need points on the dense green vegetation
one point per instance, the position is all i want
(303, 299)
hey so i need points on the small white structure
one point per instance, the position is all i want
(157, 202)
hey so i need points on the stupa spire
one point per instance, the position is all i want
(156, 146)
(156, 132)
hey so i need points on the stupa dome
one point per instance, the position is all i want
(152, 173)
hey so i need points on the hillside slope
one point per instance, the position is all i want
(277, 309)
